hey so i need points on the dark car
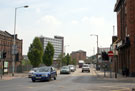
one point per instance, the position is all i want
(44, 73)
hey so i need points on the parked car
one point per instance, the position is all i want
(44, 73)
(72, 68)
(31, 72)
(65, 70)
(85, 67)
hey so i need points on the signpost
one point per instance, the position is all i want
(110, 54)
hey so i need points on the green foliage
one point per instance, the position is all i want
(74, 62)
(59, 60)
(68, 59)
(48, 54)
(35, 52)
(65, 60)
(25, 62)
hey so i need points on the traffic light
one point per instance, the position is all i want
(105, 56)
(4, 55)
(17, 57)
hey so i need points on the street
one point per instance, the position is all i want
(76, 81)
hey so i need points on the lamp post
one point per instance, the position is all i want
(14, 47)
(97, 68)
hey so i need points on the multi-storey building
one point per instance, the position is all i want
(125, 10)
(57, 42)
(78, 55)
(6, 43)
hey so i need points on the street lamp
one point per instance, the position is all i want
(97, 50)
(14, 48)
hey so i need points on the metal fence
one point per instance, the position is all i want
(20, 68)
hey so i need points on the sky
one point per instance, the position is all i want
(75, 20)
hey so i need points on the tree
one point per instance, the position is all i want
(25, 62)
(48, 54)
(74, 62)
(59, 60)
(35, 52)
(68, 59)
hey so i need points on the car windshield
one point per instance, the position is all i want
(34, 69)
(65, 67)
(85, 66)
(44, 69)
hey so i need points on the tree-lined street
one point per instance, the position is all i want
(76, 81)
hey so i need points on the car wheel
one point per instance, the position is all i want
(33, 80)
(55, 78)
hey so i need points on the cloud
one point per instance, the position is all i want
(97, 21)
(50, 20)
(38, 10)
(74, 22)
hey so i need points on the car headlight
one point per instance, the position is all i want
(33, 75)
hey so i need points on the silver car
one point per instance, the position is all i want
(72, 68)
(85, 67)
(31, 72)
(65, 69)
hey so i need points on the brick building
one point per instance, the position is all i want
(125, 10)
(78, 55)
(6, 42)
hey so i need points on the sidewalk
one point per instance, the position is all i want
(100, 74)
(16, 75)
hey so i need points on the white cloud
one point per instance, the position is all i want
(38, 10)
(97, 21)
(85, 19)
(50, 20)
(75, 22)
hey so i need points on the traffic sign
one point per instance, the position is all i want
(110, 53)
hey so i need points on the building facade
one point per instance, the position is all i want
(57, 42)
(78, 55)
(6, 43)
(125, 10)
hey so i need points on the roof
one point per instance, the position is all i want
(118, 4)
(5, 33)
(78, 51)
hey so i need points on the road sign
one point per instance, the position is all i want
(110, 53)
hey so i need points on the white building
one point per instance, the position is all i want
(57, 42)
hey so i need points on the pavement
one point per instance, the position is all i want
(107, 75)
(16, 75)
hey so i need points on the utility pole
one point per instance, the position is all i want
(97, 65)
(14, 47)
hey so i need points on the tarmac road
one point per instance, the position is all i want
(76, 81)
